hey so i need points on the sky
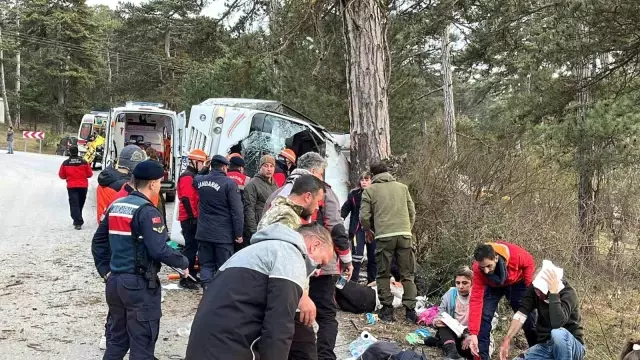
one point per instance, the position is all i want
(214, 9)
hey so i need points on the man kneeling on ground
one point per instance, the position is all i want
(250, 310)
(559, 323)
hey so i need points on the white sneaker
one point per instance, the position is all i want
(103, 343)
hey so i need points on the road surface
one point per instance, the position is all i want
(51, 299)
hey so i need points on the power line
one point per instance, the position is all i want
(97, 47)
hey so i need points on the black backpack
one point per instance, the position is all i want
(380, 350)
(356, 298)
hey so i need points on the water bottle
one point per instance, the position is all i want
(342, 281)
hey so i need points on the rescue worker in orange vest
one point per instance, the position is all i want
(188, 212)
(284, 163)
(236, 173)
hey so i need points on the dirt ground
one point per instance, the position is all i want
(51, 299)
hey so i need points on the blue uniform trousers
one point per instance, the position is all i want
(211, 256)
(135, 317)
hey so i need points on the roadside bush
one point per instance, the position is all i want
(498, 191)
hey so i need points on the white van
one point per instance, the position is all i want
(254, 128)
(91, 123)
(147, 125)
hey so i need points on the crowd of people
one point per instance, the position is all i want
(269, 256)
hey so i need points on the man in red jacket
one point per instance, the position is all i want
(76, 171)
(500, 269)
(188, 212)
(236, 173)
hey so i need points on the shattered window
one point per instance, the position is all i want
(268, 135)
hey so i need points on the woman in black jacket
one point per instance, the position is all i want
(352, 206)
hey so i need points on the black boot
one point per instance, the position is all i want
(431, 341)
(386, 314)
(411, 316)
(451, 352)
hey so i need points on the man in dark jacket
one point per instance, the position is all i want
(559, 324)
(352, 207)
(236, 173)
(220, 218)
(76, 171)
(256, 193)
(188, 211)
(112, 179)
(249, 312)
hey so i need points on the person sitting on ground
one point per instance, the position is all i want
(455, 302)
(631, 350)
(559, 324)
(352, 207)
(249, 311)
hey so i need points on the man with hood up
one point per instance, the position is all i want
(249, 312)
(113, 179)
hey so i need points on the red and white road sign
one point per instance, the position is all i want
(38, 135)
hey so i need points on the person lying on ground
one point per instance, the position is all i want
(249, 312)
(500, 269)
(559, 325)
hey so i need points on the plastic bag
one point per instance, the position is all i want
(361, 344)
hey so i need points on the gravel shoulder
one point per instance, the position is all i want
(51, 300)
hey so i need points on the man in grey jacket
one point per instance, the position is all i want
(250, 310)
(322, 287)
(256, 193)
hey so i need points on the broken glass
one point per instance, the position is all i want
(269, 135)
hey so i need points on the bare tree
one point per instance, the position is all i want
(447, 83)
(18, 66)
(2, 79)
(365, 32)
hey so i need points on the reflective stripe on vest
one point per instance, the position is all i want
(121, 240)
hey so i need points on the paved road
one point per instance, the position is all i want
(51, 300)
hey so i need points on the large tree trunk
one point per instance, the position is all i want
(18, 66)
(447, 83)
(365, 31)
(2, 79)
(586, 171)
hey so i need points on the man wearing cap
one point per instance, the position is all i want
(113, 179)
(256, 193)
(286, 160)
(188, 211)
(127, 249)
(220, 217)
(75, 170)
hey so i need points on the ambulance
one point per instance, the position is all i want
(222, 126)
(90, 124)
(147, 125)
